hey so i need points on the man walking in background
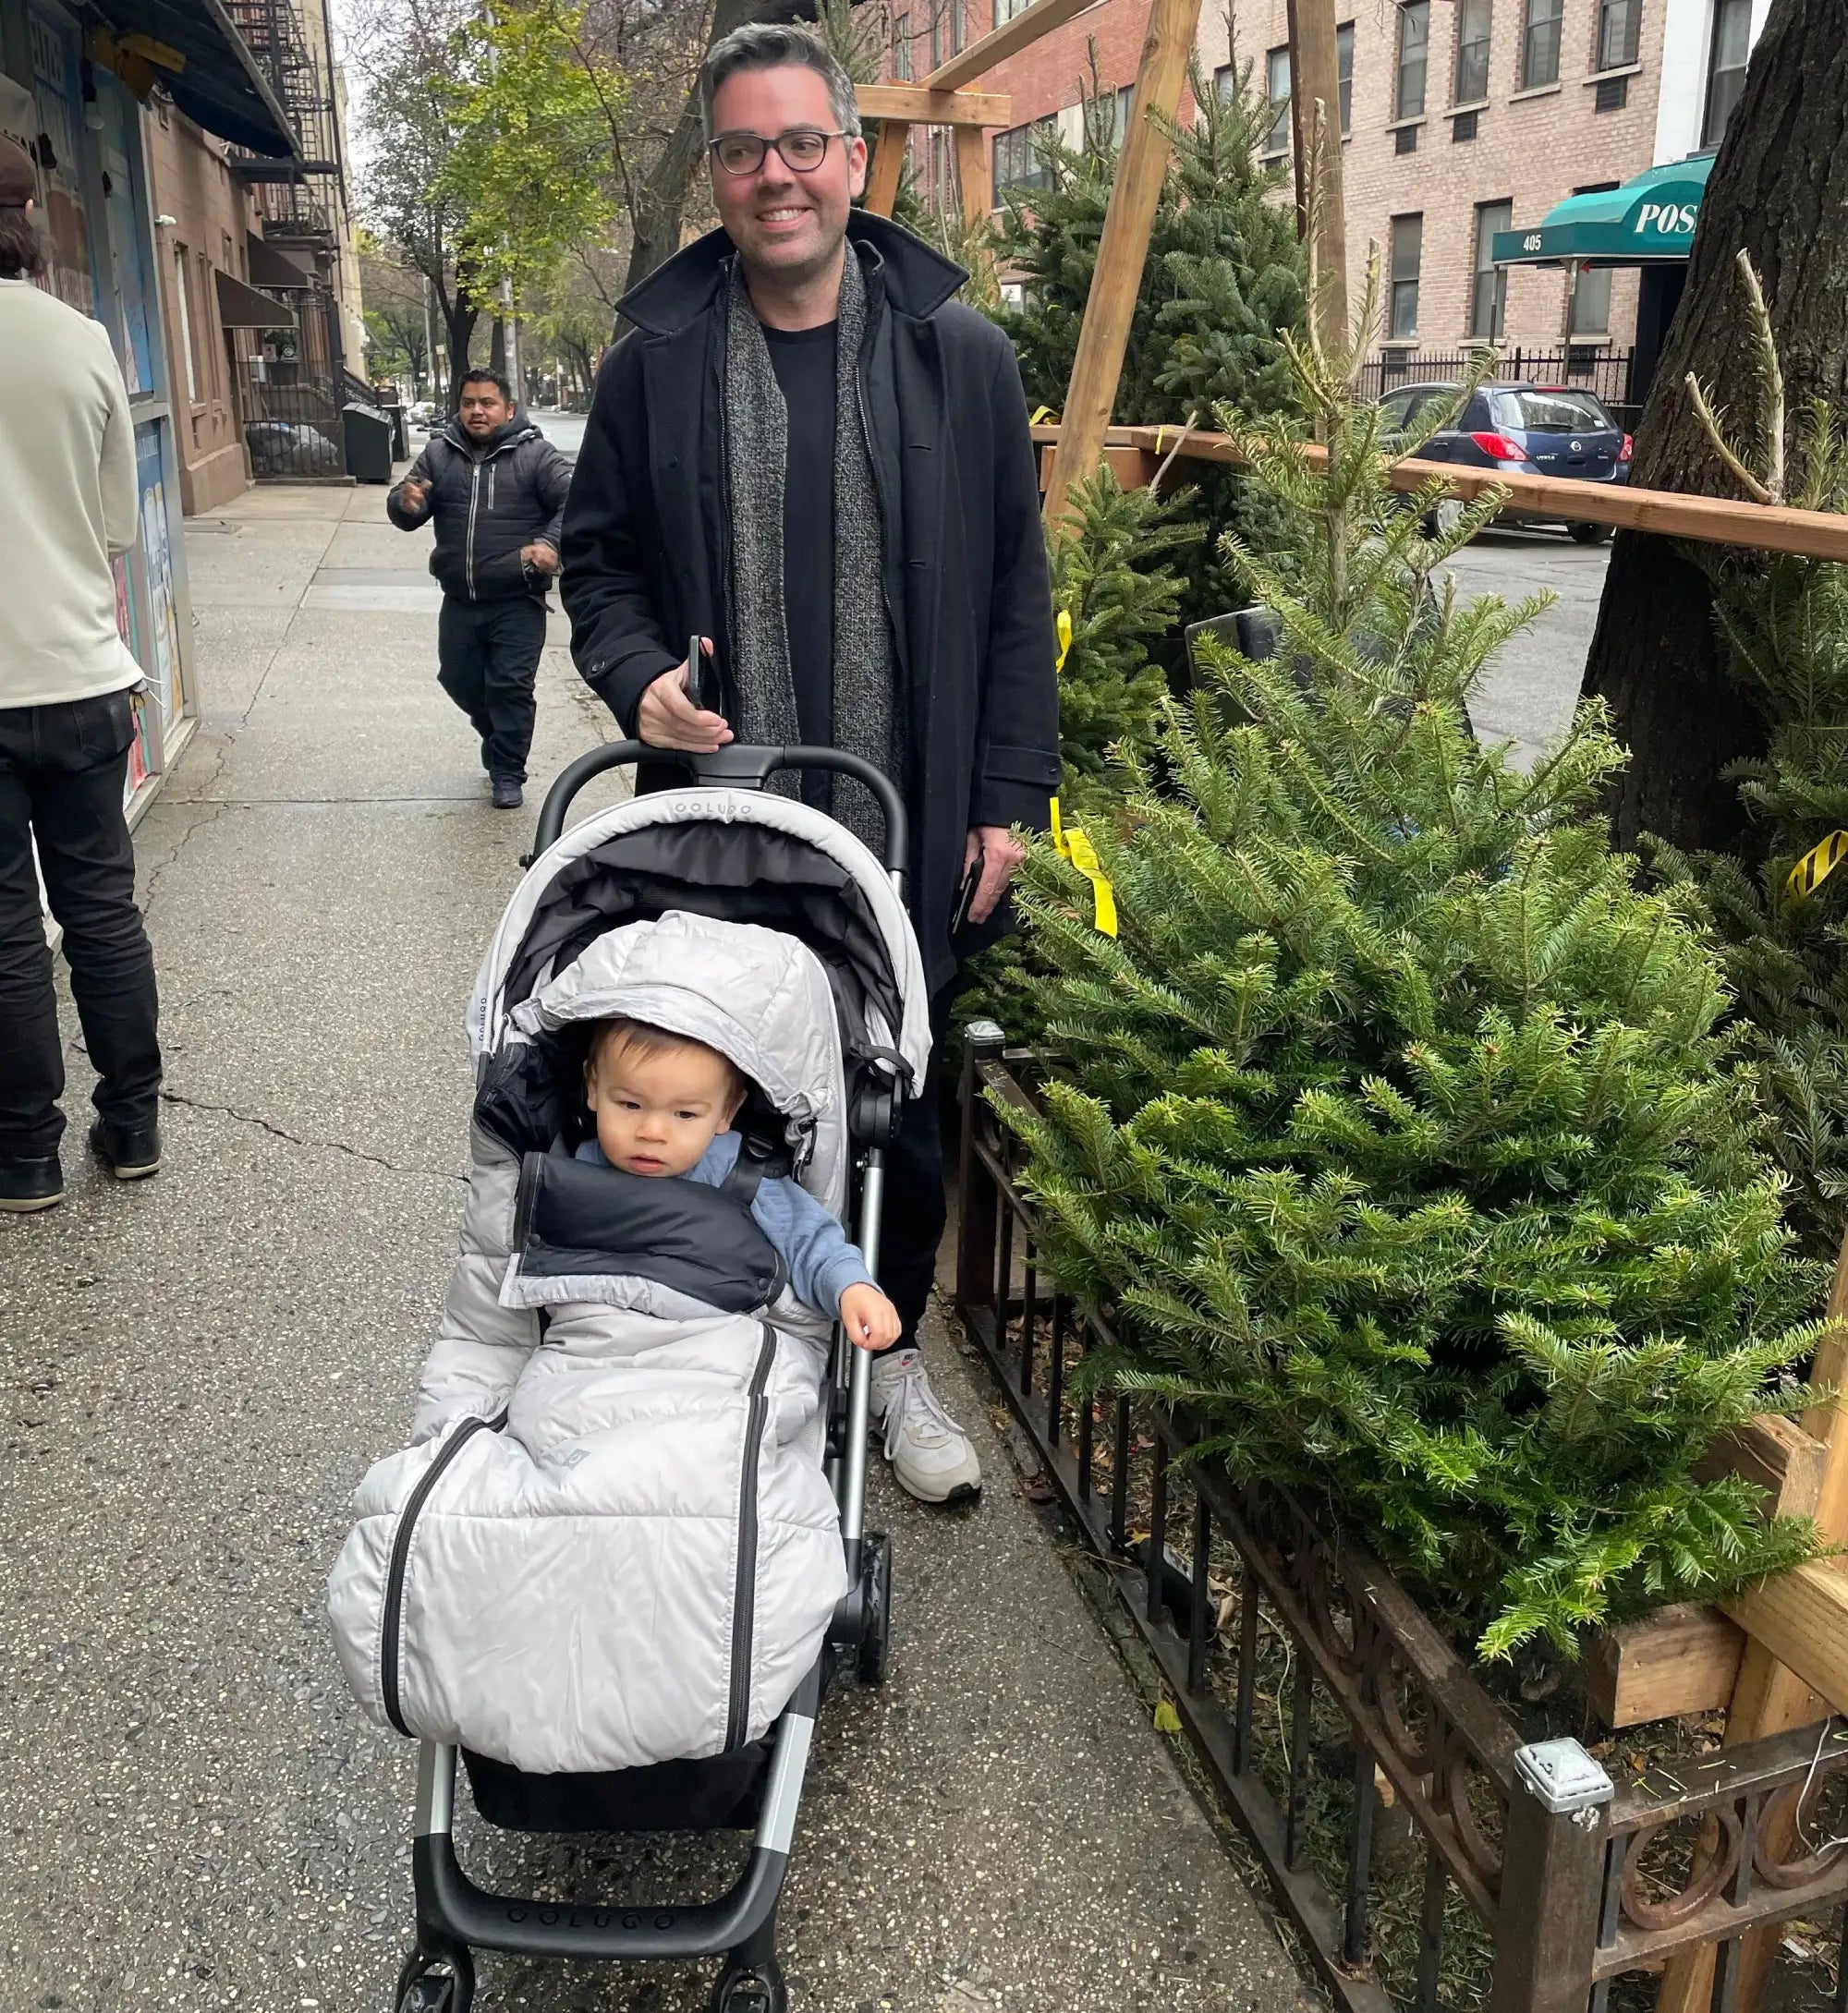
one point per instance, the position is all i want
(810, 456)
(67, 508)
(496, 487)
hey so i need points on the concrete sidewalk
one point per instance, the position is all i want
(196, 1370)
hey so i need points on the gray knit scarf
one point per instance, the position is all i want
(868, 717)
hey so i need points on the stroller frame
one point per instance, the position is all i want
(453, 1915)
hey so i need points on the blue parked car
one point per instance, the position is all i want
(1556, 429)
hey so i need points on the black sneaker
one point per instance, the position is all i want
(508, 794)
(132, 1153)
(29, 1183)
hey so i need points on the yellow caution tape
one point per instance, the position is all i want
(1071, 843)
(1064, 628)
(1043, 416)
(1817, 864)
(1167, 1720)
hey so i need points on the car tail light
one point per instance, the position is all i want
(1623, 452)
(1498, 447)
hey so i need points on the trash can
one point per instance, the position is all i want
(394, 410)
(368, 443)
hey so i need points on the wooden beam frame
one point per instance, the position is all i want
(888, 165)
(1710, 520)
(974, 174)
(917, 105)
(1008, 40)
(1122, 250)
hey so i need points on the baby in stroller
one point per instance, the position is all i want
(625, 1547)
(665, 1106)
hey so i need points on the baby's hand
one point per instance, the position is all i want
(870, 1319)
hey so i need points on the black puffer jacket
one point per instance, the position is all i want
(489, 500)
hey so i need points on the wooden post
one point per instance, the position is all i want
(1141, 166)
(888, 167)
(1769, 1697)
(1315, 120)
(975, 173)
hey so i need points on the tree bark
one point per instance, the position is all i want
(1779, 189)
(458, 321)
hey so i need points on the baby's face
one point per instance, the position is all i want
(656, 1114)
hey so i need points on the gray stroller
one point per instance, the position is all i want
(729, 849)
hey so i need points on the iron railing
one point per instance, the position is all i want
(1323, 1702)
(1611, 373)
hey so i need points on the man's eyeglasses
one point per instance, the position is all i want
(802, 148)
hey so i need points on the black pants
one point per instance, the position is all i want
(912, 1221)
(62, 772)
(487, 654)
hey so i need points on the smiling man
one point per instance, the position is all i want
(809, 455)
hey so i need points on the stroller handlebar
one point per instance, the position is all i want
(740, 767)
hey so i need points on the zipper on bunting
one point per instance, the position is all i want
(744, 1598)
(392, 1629)
(474, 499)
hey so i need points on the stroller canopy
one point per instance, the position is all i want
(740, 856)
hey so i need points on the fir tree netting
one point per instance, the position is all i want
(1395, 1131)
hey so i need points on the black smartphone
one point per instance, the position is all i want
(701, 684)
(966, 892)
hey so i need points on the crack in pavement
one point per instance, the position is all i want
(297, 1139)
(156, 872)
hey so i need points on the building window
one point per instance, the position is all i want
(1344, 62)
(955, 7)
(1277, 89)
(1016, 161)
(1471, 86)
(1006, 10)
(1619, 24)
(1408, 238)
(1489, 293)
(1726, 67)
(901, 48)
(1540, 44)
(1414, 36)
(182, 290)
(1225, 82)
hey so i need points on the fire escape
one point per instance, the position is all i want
(301, 204)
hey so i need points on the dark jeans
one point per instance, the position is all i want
(62, 771)
(487, 654)
(912, 1221)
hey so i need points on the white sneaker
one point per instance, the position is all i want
(930, 1453)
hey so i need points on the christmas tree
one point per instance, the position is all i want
(1396, 1132)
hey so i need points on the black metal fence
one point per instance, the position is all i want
(292, 389)
(1345, 1735)
(1611, 373)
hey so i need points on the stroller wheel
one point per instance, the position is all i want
(443, 1983)
(758, 1988)
(875, 1645)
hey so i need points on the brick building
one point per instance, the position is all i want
(1461, 119)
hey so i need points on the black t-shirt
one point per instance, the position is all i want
(804, 362)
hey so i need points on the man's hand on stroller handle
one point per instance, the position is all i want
(668, 719)
(870, 1319)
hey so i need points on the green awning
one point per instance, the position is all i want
(1647, 222)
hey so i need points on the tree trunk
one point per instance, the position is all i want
(458, 320)
(656, 217)
(1779, 189)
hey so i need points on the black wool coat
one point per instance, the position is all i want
(490, 500)
(646, 540)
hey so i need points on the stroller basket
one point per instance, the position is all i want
(760, 1786)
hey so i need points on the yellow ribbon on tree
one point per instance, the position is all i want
(1065, 629)
(1071, 843)
(1043, 416)
(1817, 864)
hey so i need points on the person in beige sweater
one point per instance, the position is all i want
(68, 509)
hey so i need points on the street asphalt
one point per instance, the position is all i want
(196, 1370)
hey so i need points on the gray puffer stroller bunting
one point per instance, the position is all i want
(614, 1565)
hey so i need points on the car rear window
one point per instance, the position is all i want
(1550, 412)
